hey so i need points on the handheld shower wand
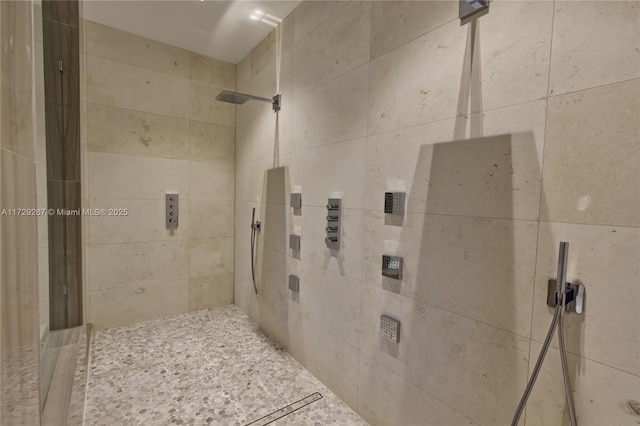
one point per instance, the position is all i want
(561, 292)
(255, 227)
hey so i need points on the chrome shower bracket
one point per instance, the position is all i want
(574, 298)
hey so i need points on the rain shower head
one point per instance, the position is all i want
(240, 98)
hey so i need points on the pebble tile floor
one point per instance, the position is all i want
(211, 367)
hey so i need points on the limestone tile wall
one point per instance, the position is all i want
(19, 325)
(507, 139)
(152, 126)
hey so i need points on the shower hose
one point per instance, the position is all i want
(254, 232)
(558, 322)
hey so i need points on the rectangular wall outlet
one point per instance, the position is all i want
(394, 202)
(390, 328)
(392, 266)
(294, 242)
(296, 200)
(294, 283)
(171, 201)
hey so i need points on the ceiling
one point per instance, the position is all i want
(220, 29)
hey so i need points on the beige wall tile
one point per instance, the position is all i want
(39, 66)
(406, 89)
(272, 277)
(333, 112)
(475, 177)
(387, 399)
(243, 74)
(601, 394)
(145, 221)
(332, 361)
(18, 129)
(309, 14)
(334, 47)
(497, 175)
(212, 181)
(594, 44)
(41, 175)
(41, 135)
(210, 219)
(118, 306)
(443, 255)
(204, 107)
(122, 131)
(136, 264)
(450, 356)
(319, 289)
(135, 177)
(395, 23)
(210, 291)
(122, 85)
(108, 42)
(18, 191)
(591, 167)
(213, 256)
(213, 71)
(274, 235)
(20, 324)
(266, 136)
(336, 168)
(17, 64)
(310, 225)
(605, 260)
(514, 54)
(212, 142)
(37, 22)
(263, 57)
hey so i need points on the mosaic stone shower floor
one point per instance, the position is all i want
(210, 367)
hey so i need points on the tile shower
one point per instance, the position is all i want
(506, 137)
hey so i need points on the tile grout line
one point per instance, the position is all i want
(540, 195)
(364, 190)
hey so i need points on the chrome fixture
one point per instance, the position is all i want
(240, 98)
(567, 297)
(333, 223)
(171, 210)
(295, 199)
(390, 328)
(394, 202)
(255, 227)
(574, 296)
(294, 283)
(470, 10)
(392, 266)
(294, 242)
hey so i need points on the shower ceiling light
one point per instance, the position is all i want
(266, 18)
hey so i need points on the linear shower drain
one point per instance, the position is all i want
(285, 411)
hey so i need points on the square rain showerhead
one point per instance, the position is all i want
(232, 97)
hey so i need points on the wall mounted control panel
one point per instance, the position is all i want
(171, 210)
(296, 200)
(392, 266)
(394, 202)
(333, 223)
